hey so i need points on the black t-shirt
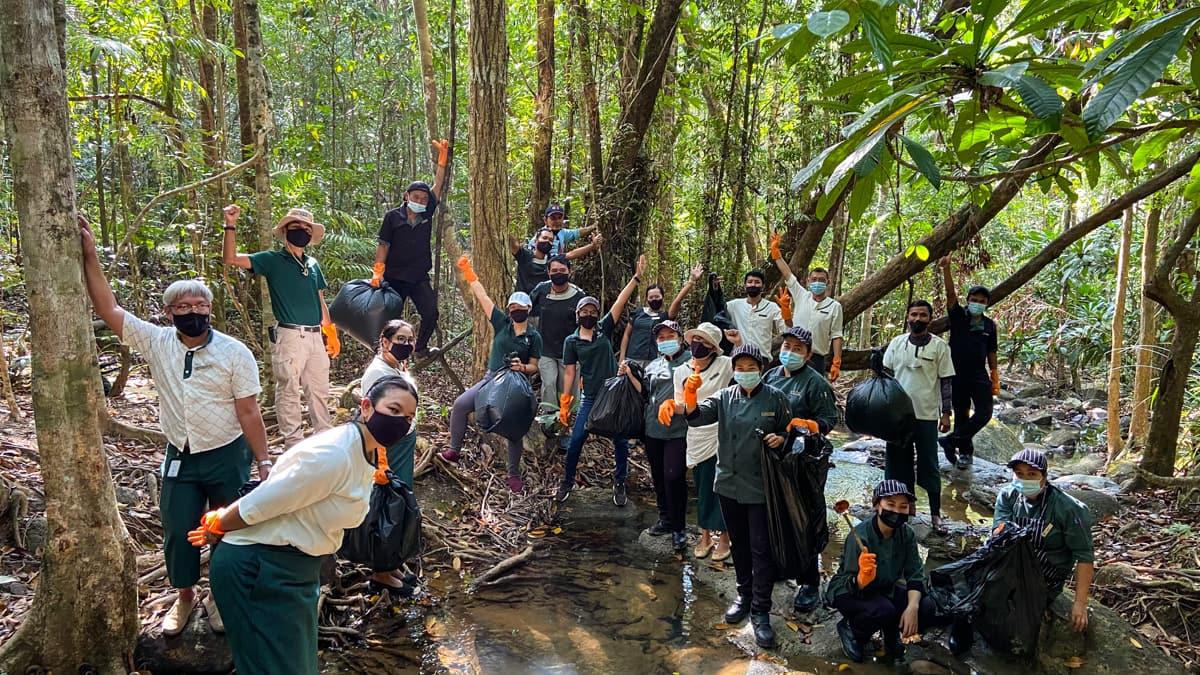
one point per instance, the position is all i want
(557, 316)
(530, 270)
(409, 256)
(970, 343)
(641, 339)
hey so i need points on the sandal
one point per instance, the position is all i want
(722, 553)
(703, 547)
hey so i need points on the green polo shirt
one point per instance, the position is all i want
(810, 394)
(594, 358)
(739, 448)
(660, 386)
(896, 558)
(1069, 541)
(293, 286)
(526, 346)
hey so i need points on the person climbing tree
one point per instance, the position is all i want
(555, 217)
(973, 344)
(533, 261)
(813, 309)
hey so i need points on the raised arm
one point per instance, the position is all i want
(591, 247)
(101, 294)
(481, 296)
(784, 270)
(677, 303)
(948, 278)
(618, 305)
(229, 254)
(443, 159)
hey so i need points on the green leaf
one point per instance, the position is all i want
(826, 24)
(1192, 191)
(870, 161)
(908, 252)
(860, 198)
(805, 174)
(1137, 35)
(924, 161)
(1074, 135)
(1127, 82)
(984, 12)
(922, 252)
(1039, 97)
(877, 34)
(864, 148)
(1153, 147)
(827, 200)
(1005, 77)
(1196, 69)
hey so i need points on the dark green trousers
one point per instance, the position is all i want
(205, 481)
(708, 506)
(914, 461)
(268, 598)
(401, 457)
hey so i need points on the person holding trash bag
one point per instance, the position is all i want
(620, 406)
(880, 583)
(588, 353)
(748, 415)
(299, 356)
(813, 403)
(879, 406)
(812, 308)
(666, 434)
(516, 346)
(638, 343)
(554, 303)
(921, 361)
(266, 572)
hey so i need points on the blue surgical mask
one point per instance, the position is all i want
(1029, 488)
(748, 379)
(817, 287)
(416, 208)
(976, 308)
(668, 347)
(791, 360)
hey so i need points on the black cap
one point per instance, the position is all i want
(980, 290)
(666, 323)
(800, 333)
(891, 488)
(555, 208)
(748, 349)
(420, 185)
(1034, 458)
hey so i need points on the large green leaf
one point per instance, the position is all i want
(1196, 69)
(1005, 77)
(924, 161)
(1039, 97)
(826, 24)
(1139, 34)
(984, 12)
(1127, 82)
(860, 197)
(1153, 147)
(859, 153)
(805, 174)
(878, 36)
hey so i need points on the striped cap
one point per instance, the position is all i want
(891, 488)
(748, 349)
(800, 333)
(668, 324)
(1034, 458)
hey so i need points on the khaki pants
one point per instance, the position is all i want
(551, 370)
(298, 359)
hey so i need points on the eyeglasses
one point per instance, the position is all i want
(191, 308)
(402, 341)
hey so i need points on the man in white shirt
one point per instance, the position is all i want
(814, 310)
(207, 386)
(922, 365)
(756, 319)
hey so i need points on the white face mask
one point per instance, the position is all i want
(416, 208)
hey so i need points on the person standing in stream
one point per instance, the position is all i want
(812, 308)
(299, 356)
(973, 345)
(638, 344)
(666, 434)
(404, 254)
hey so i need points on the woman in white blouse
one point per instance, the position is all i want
(265, 574)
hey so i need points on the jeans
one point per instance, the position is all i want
(579, 434)
(750, 543)
(668, 469)
(899, 462)
(970, 393)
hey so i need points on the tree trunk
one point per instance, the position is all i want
(539, 193)
(242, 74)
(488, 162)
(84, 616)
(864, 330)
(591, 99)
(1139, 420)
(837, 251)
(1113, 431)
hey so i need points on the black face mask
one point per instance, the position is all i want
(700, 350)
(545, 246)
(560, 278)
(893, 519)
(753, 291)
(918, 327)
(191, 325)
(388, 429)
(519, 315)
(588, 321)
(401, 352)
(299, 238)
(655, 304)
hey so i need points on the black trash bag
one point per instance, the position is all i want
(794, 482)
(620, 409)
(391, 532)
(879, 406)
(999, 588)
(505, 405)
(361, 310)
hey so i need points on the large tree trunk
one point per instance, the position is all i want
(487, 166)
(1113, 430)
(1139, 420)
(539, 193)
(591, 99)
(84, 617)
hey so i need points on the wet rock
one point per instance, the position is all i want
(196, 650)
(1030, 390)
(1006, 395)
(1094, 390)
(1104, 648)
(981, 472)
(996, 442)
(1101, 402)
(127, 496)
(14, 587)
(1081, 462)
(1041, 402)
(1072, 403)
(1061, 437)
(1018, 403)
(1040, 418)
(1099, 504)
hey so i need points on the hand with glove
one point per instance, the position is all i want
(443, 151)
(377, 274)
(691, 386)
(785, 305)
(333, 346)
(867, 569)
(468, 272)
(564, 409)
(835, 369)
(666, 411)
(775, 254)
(209, 532)
(812, 426)
(996, 382)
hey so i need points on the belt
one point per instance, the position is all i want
(306, 329)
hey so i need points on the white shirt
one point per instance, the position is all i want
(702, 441)
(757, 324)
(919, 371)
(320, 487)
(822, 318)
(196, 387)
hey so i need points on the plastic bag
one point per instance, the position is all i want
(794, 482)
(620, 409)
(391, 532)
(361, 310)
(999, 588)
(880, 406)
(505, 405)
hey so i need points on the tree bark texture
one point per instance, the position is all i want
(591, 98)
(539, 193)
(1143, 376)
(1113, 430)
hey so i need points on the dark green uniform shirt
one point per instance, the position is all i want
(810, 394)
(593, 358)
(739, 447)
(1068, 542)
(660, 386)
(293, 286)
(527, 345)
(896, 559)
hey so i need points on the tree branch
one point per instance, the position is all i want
(1159, 288)
(116, 97)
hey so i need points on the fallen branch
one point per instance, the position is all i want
(503, 566)
(116, 428)
(1154, 480)
(160, 572)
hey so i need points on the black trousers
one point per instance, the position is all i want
(668, 469)
(820, 363)
(425, 300)
(873, 612)
(970, 393)
(750, 544)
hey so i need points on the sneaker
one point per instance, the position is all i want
(516, 484)
(178, 616)
(214, 616)
(564, 492)
(947, 443)
(851, 644)
(659, 529)
(619, 496)
(450, 455)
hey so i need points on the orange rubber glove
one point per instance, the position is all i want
(381, 466)
(691, 386)
(775, 254)
(377, 274)
(996, 382)
(333, 346)
(807, 424)
(564, 409)
(210, 524)
(835, 369)
(468, 272)
(666, 411)
(866, 569)
(443, 151)
(785, 305)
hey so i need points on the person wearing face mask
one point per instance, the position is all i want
(266, 572)
(812, 308)
(748, 415)
(404, 256)
(880, 583)
(973, 345)
(207, 386)
(533, 261)
(716, 372)
(757, 319)
(922, 364)
(554, 302)
(638, 342)
(813, 404)
(589, 356)
(554, 218)
(299, 355)
(666, 433)
(516, 346)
